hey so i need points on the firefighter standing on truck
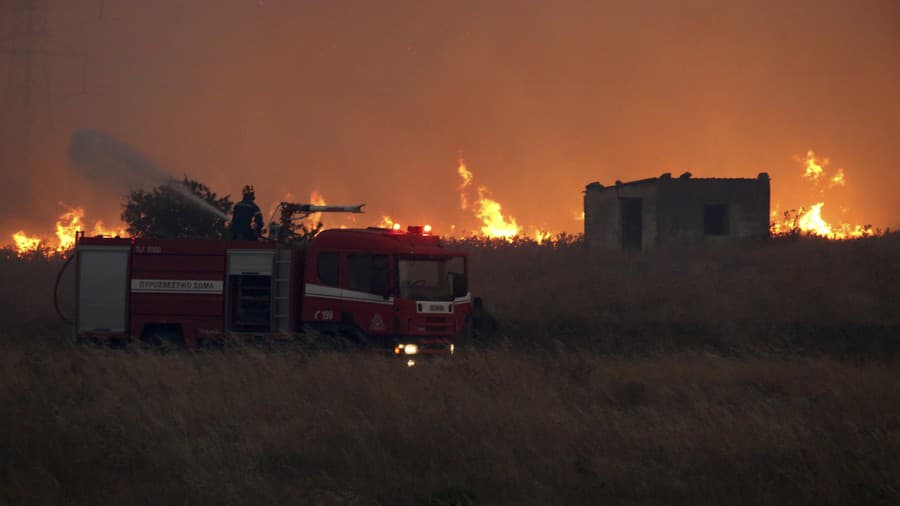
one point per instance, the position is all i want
(247, 221)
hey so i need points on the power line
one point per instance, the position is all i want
(26, 34)
(28, 47)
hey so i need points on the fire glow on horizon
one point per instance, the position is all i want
(488, 217)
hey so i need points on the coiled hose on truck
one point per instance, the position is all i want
(59, 276)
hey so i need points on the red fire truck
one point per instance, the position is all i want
(403, 291)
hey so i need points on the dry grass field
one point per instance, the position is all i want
(789, 293)
(763, 375)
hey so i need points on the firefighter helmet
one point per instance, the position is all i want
(248, 190)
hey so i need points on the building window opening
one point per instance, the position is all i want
(715, 219)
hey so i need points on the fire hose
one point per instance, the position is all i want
(56, 289)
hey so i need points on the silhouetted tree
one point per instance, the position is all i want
(185, 209)
(304, 232)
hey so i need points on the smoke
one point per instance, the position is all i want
(372, 103)
(105, 160)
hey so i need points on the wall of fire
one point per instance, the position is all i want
(659, 211)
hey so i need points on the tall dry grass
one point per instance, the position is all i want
(558, 289)
(26, 293)
(780, 293)
(94, 426)
(579, 419)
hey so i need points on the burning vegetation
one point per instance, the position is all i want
(485, 213)
(68, 225)
(487, 218)
(808, 219)
(494, 224)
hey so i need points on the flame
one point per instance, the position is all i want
(494, 224)
(100, 229)
(386, 222)
(814, 167)
(809, 220)
(815, 170)
(812, 221)
(466, 176)
(542, 235)
(317, 199)
(25, 244)
(838, 179)
(68, 225)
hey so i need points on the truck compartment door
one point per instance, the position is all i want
(102, 289)
(249, 298)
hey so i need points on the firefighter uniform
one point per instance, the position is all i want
(247, 221)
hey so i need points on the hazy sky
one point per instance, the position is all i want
(374, 101)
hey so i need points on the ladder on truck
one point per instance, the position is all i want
(290, 214)
(281, 293)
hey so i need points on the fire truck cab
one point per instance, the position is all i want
(402, 291)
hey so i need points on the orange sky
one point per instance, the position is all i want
(374, 101)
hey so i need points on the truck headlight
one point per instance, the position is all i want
(406, 349)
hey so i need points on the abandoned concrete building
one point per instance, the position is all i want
(653, 212)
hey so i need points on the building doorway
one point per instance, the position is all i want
(715, 219)
(631, 211)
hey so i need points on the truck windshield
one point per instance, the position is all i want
(430, 278)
